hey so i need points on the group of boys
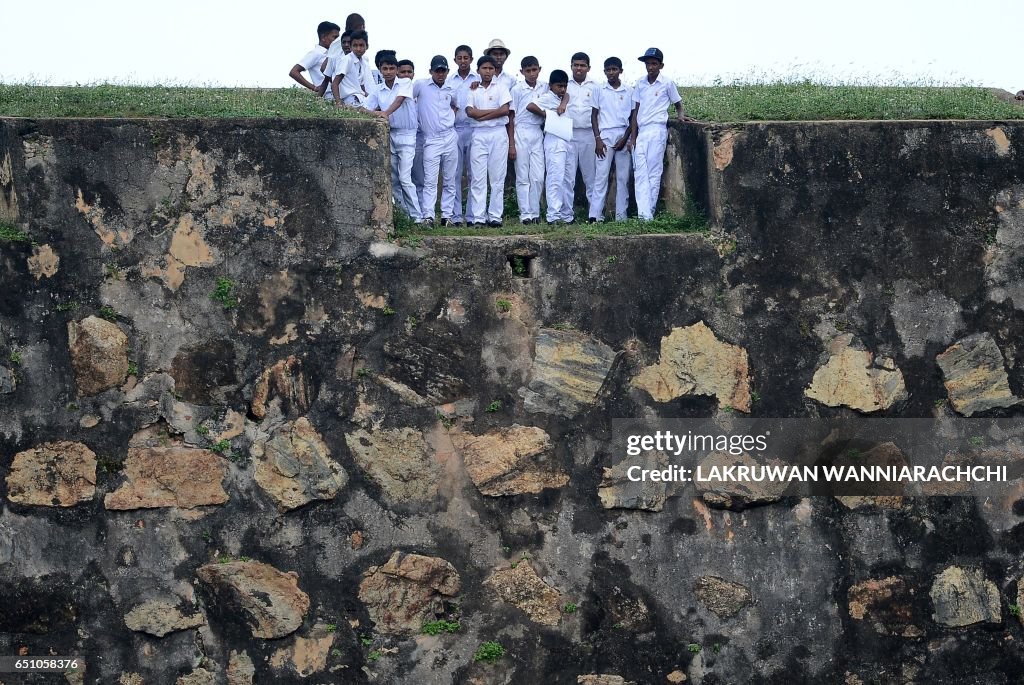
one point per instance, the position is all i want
(461, 121)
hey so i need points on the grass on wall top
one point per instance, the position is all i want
(778, 100)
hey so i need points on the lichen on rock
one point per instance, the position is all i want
(569, 369)
(975, 376)
(294, 466)
(853, 377)
(523, 588)
(269, 600)
(513, 460)
(54, 474)
(99, 354)
(407, 590)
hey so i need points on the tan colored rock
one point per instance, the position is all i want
(170, 477)
(295, 467)
(99, 354)
(286, 381)
(975, 375)
(131, 679)
(617, 491)
(200, 676)
(161, 617)
(54, 474)
(860, 502)
(853, 377)
(270, 600)
(241, 669)
(963, 597)
(601, 679)
(724, 598)
(735, 494)
(676, 676)
(407, 591)
(569, 369)
(887, 604)
(523, 588)
(510, 461)
(695, 362)
(44, 262)
(307, 655)
(399, 461)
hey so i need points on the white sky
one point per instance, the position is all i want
(255, 43)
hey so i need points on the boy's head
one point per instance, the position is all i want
(463, 57)
(327, 32)
(388, 66)
(346, 42)
(360, 42)
(580, 65)
(406, 69)
(496, 49)
(355, 22)
(654, 59)
(438, 69)
(485, 67)
(613, 69)
(530, 68)
(558, 82)
(380, 55)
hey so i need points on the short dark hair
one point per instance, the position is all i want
(404, 62)
(383, 53)
(613, 62)
(581, 57)
(466, 49)
(360, 35)
(325, 27)
(346, 34)
(558, 76)
(485, 59)
(387, 58)
(529, 61)
(354, 21)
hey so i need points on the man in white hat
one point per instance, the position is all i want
(496, 49)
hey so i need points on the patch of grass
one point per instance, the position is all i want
(9, 233)
(611, 259)
(363, 372)
(692, 222)
(113, 272)
(1015, 610)
(374, 656)
(67, 306)
(489, 652)
(570, 608)
(441, 626)
(175, 102)
(503, 305)
(807, 100)
(14, 357)
(133, 369)
(518, 266)
(977, 440)
(365, 639)
(445, 420)
(223, 292)
(221, 446)
(331, 627)
(202, 430)
(388, 311)
(693, 648)
(107, 312)
(494, 406)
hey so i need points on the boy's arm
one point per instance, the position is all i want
(632, 126)
(336, 88)
(510, 128)
(395, 104)
(534, 108)
(296, 74)
(564, 104)
(599, 147)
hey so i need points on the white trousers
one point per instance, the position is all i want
(529, 170)
(417, 170)
(648, 164)
(584, 158)
(465, 134)
(623, 164)
(561, 169)
(403, 152)
(488, 162)
(440, 153)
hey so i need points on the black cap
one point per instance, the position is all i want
(438, 62)
(654, 53)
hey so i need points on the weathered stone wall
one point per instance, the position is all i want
(282, 475)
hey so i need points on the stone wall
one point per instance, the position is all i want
(243, 438)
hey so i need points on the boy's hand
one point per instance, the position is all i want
(512, 151)
(382, 115)
(622, 142)
(321, 89)
(473, 85)
(600, 148)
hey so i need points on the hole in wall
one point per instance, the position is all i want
(522, 265)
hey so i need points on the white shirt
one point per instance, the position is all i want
(506, 79)
(581, 101)
(381, 97)
(459, 84)
(550, 102)
(522, 95)
(356, 74)
(654, 99)
(434, 106)
(486, 97)
(311, 63)
(614, 106)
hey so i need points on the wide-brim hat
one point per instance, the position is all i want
(497, 44)
(652, 53)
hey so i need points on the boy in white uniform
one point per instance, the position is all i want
(581, 94)
(435, 108)
(496, 49)
(557, 150)
(613, 105)
(350, 74)
(529, 141)
(488, 106)
(393, 100)
(460, 80)
(327, 33)
(649, 134)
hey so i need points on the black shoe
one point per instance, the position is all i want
(570, 221)
(592, 220)
(478, 223)
(495, 224)
(446, 223)
(427, 223)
